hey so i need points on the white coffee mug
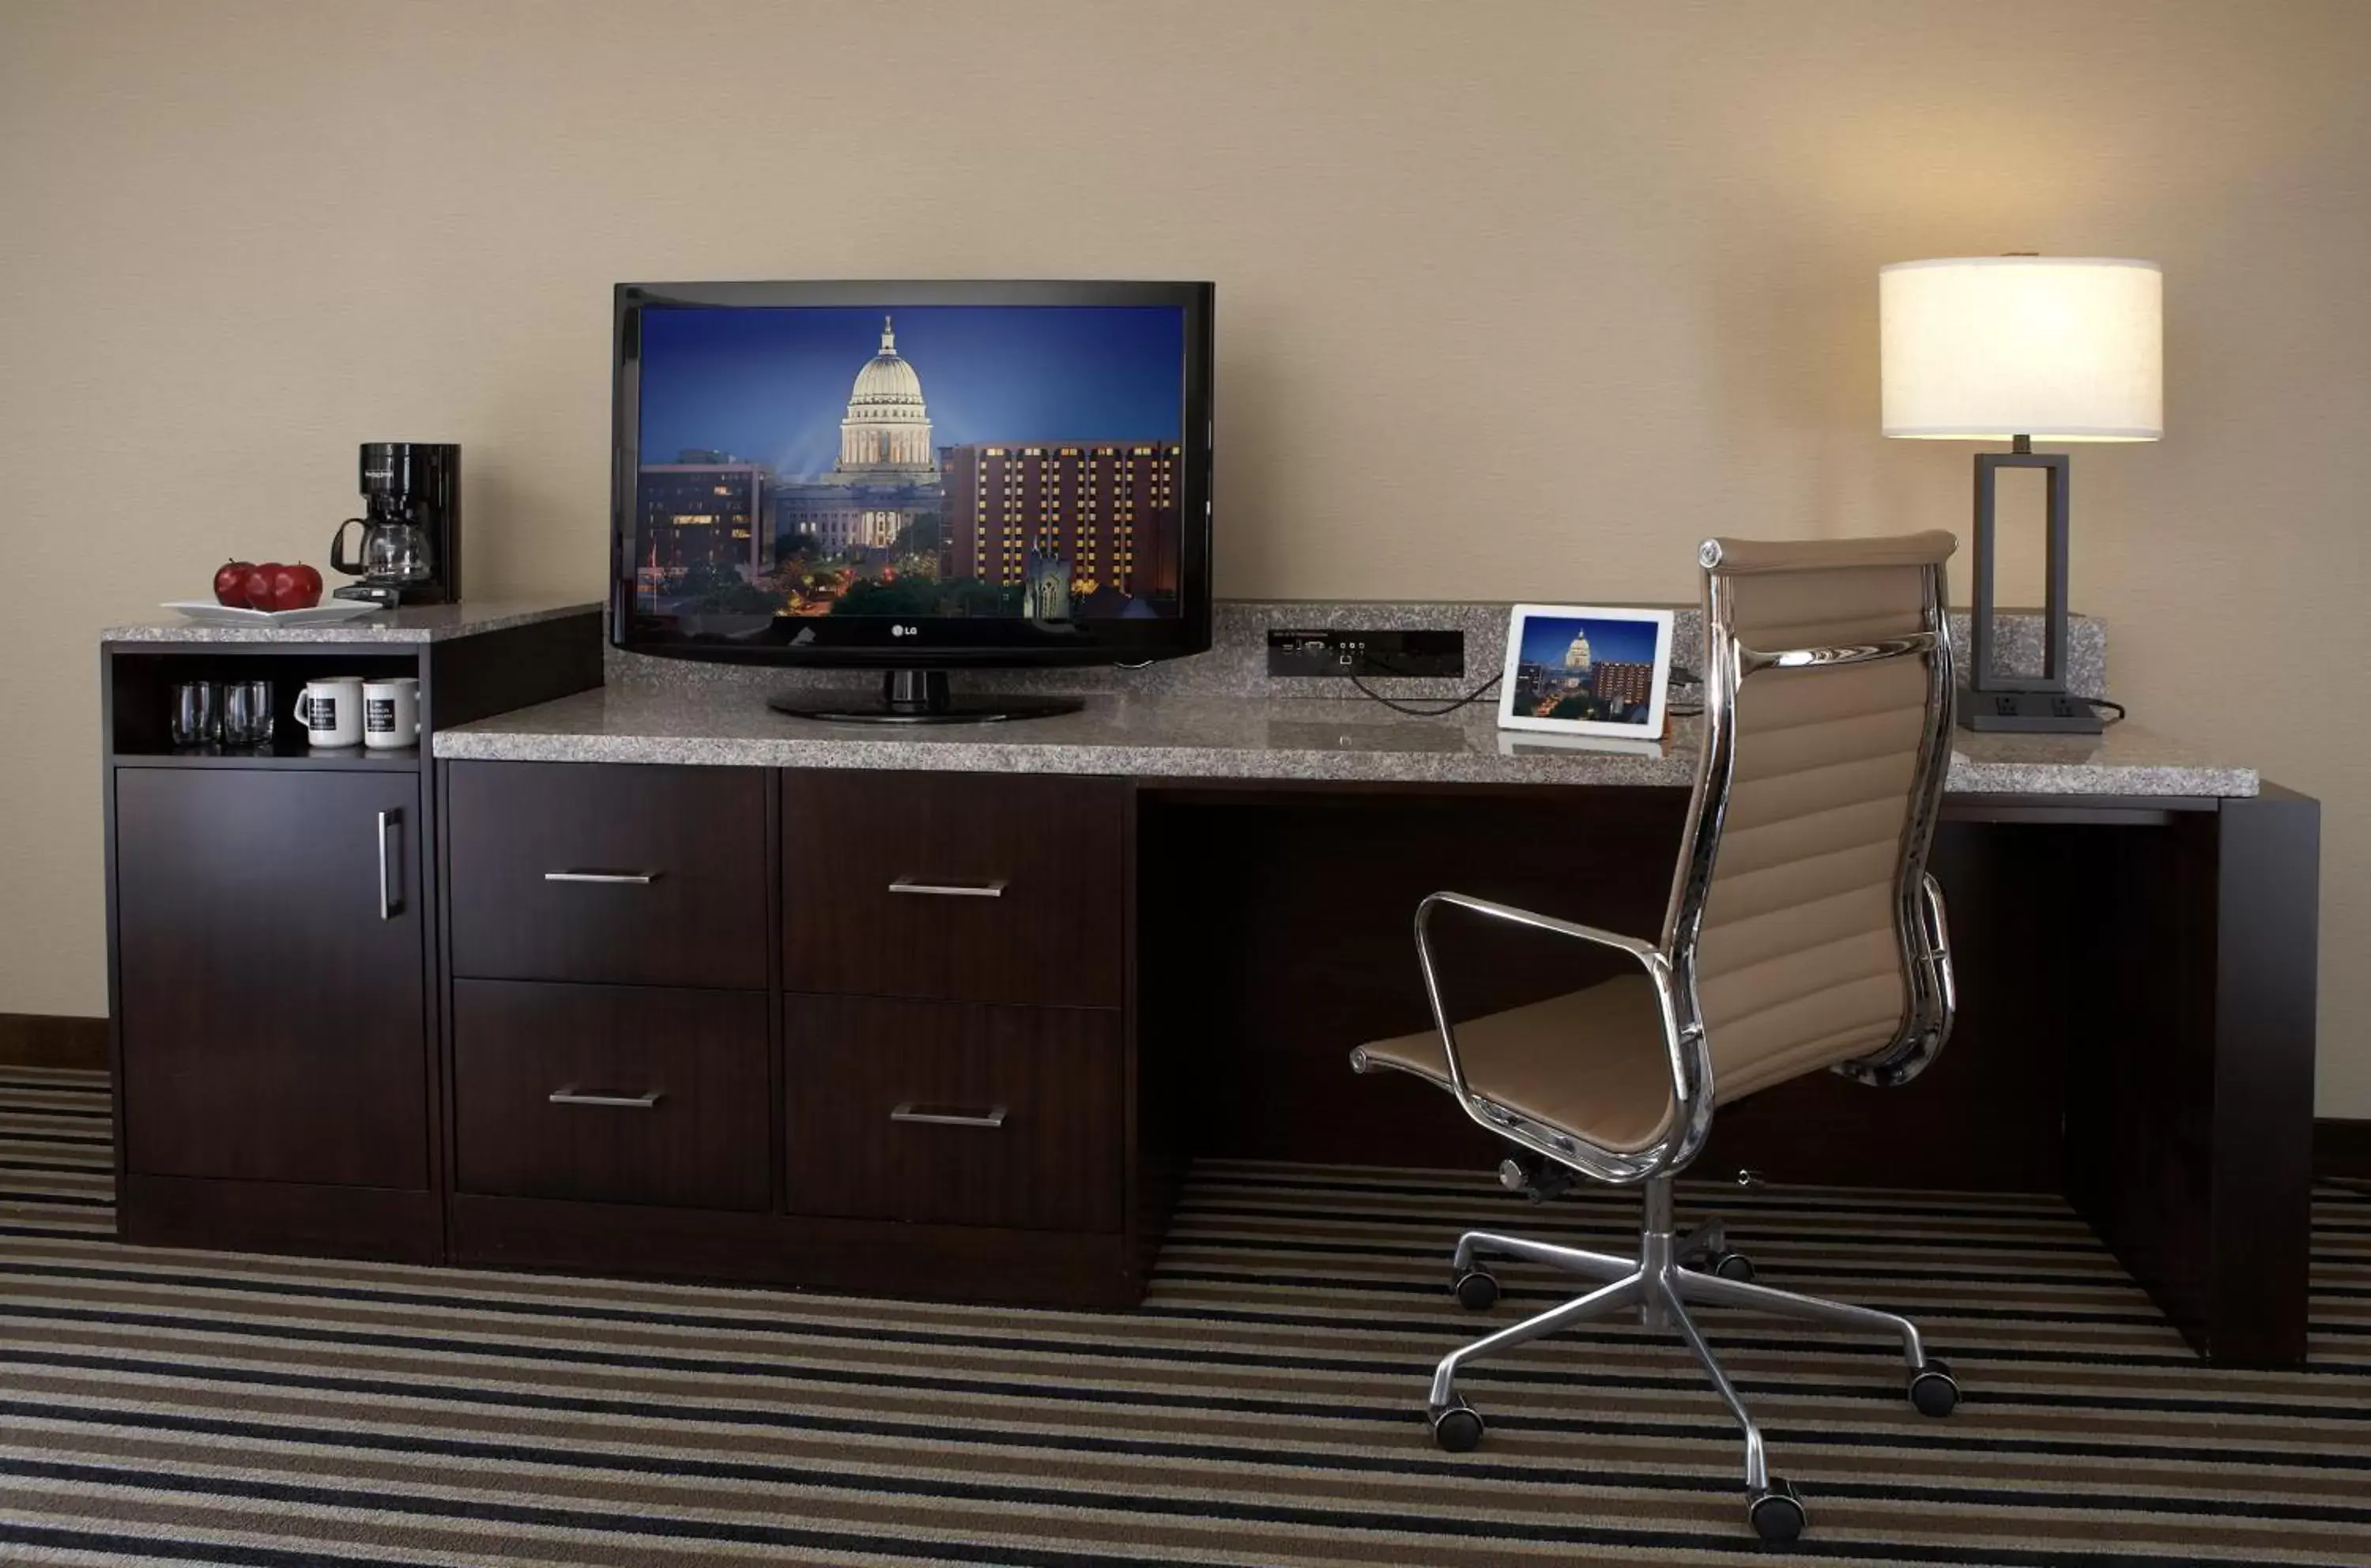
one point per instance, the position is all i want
(391, 712)
(331, 712)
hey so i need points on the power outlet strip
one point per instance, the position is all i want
(1372, 654)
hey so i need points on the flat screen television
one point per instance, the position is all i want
(913, 477)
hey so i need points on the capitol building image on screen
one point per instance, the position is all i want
(888, 477)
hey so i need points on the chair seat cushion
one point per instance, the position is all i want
(1591, 1062)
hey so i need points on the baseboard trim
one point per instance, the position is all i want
(2341, 1148)
(51, 1040)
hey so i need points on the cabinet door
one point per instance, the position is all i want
(272, 999)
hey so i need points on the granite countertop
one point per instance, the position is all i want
(1174, 736)
(420, 623)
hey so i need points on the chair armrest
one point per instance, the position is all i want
(1508, 912)
(1690, 1065)
(1934, 999)
(1935, 932)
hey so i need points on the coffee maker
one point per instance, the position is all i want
(411, 545)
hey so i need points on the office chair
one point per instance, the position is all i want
(1803, 934)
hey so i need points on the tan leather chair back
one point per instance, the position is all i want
(1805, 876)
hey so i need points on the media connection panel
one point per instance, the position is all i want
(1346, 651)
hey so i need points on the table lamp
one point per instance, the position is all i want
(2019, 347)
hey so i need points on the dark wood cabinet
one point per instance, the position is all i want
(914, 1104)
(954, 1113)
(275, 947)
(647, 876)
(970, 887)
(865, 1030)
(271, 975)
(610, 1093)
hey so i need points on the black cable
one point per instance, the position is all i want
(1679, 677)
(2103, 702)
(1398, 706)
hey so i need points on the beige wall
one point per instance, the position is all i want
(1516, 300)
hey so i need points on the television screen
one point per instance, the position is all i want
(832, 470)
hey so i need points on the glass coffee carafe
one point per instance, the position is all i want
(394, 554)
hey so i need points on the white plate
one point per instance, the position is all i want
(322, 614)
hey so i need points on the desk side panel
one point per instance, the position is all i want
(2267, 972)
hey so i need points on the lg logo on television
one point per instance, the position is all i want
(905, 631)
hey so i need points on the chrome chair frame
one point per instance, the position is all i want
(1656, 1283)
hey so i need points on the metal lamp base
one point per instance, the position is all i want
(2029, 714)
(2005, 701)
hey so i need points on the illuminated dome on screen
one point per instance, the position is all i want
(886, 435)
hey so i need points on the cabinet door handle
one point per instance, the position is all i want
(948, 1116)
(630, 878)
(572, 1096)
(949, 890)
(390, 907)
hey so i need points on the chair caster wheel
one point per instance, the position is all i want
(1731, 1265)
(1775, 1513)
(1456, 1427)
(1478, 1290)
(1932, 1389)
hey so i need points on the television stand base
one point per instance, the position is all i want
(918, 697)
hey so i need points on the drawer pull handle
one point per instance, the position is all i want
(632, 879)
(948, 1116)
(571, 1096)
(949, 890)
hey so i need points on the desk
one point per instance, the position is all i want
(716, 1046)
(2134, 922)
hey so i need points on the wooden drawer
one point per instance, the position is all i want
(664, 1094)
(954, 1113)
(974, 887)
(614, 873)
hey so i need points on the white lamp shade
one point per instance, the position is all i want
(1983, 347)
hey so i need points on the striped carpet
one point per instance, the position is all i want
(1263, 1408)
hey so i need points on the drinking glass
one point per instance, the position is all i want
(195, 718)
(246, 713)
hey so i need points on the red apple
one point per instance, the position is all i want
(259, 585)
(230, 583)
(294, 587)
